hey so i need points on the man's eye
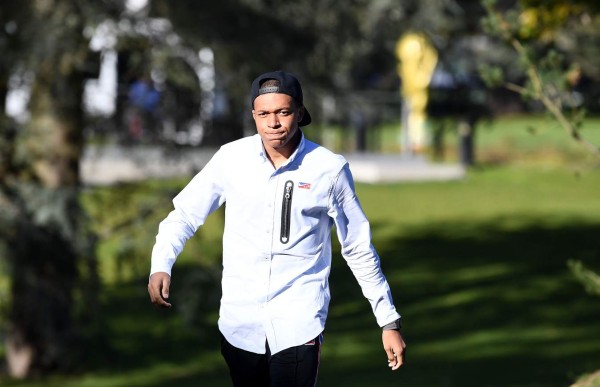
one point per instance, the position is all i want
(262, 114)
(284, 113)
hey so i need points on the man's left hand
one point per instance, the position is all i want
(394, 347)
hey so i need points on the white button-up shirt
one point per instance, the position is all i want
(277, 241)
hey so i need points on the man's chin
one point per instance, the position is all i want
(276, 143)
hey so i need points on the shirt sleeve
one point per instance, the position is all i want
(354, 234)
(202, 196)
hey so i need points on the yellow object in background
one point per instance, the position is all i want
(418, 59)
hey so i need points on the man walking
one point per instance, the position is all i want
(283, 194)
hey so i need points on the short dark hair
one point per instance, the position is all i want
(270, 83)
(276, 83)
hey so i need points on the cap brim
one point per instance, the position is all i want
(306, 118)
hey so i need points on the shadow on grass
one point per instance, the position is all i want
(137, 334)
(483, 304)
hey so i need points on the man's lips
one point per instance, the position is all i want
(276, 135)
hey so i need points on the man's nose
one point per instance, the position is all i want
(273, 121)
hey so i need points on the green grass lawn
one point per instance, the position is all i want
(477, 267)
(530, 139)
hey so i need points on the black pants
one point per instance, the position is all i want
(292, 367)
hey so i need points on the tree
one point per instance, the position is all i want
(46, 245)
(550, 68)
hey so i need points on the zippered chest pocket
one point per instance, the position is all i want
(286, 211)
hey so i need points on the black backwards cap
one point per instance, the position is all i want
(288, 84)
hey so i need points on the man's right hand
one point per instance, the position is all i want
(158, 288)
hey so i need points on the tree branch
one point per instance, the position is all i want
(538, 90)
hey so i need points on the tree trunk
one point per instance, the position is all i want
(40, 330)
(49, 237)
(466, 134)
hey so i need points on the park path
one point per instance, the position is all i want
(112, 164)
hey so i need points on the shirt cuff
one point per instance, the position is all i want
(393, 326)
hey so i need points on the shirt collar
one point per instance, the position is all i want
(298, 150)
(259, 148)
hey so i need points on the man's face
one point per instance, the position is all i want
(276, 117)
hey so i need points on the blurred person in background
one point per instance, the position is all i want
(142, 110)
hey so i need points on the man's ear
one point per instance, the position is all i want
(300, 113)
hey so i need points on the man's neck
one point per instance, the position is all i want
(279, 156)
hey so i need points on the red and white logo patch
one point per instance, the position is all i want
(304, 185)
